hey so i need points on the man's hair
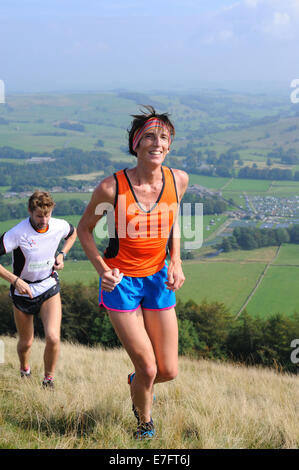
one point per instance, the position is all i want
(140, 120)
(41, 200)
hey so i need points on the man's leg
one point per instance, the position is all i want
(129, 327)
(25, 329)
(50, 314)
(162, 329)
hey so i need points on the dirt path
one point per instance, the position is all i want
(258, 283)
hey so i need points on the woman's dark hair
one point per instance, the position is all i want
(140, 120)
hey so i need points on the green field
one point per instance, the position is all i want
(103, 115)
(208, 181)
(229, 283)
(78, 271)
(246, 185)
(288, 255)
(278, 292)
(234, 188)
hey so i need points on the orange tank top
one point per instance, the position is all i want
(139, 242)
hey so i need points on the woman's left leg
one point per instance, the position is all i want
(162, 329)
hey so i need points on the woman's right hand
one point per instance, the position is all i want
(110, 279)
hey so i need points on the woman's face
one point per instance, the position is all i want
(153, 146)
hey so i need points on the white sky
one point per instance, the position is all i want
(163, 44)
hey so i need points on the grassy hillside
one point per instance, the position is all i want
(209, 405)
(213, 121)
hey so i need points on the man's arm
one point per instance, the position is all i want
(6, 247)
(22, 286)
(59, 261)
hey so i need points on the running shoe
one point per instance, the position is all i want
(25, 372)
(145, 430)
(48, 382)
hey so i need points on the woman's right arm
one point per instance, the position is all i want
(102, 196)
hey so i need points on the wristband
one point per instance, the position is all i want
(62, 253)
(15, 282)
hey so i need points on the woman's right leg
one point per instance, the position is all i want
(25, 329)
(129, 327)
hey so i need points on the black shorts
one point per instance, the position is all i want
(32, 306)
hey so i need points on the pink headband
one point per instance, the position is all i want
(150, 123)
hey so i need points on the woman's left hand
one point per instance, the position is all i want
(175, 275)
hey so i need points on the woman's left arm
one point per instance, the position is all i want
(176, 276)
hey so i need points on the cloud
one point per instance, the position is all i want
(223, 36)
(276, 19)
(281, 20)
(251, 3)
(279, 25)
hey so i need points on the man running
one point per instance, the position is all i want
(34, 281)
(136, 284)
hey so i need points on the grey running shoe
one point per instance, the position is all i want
(48, 382)
(25, 373)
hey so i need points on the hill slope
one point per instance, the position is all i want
(209, 405)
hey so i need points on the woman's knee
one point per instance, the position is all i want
(147, 373)
(167, 373)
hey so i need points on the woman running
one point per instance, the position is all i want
(137, 286)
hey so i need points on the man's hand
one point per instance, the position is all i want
(175, 275)
(59, 262)
(23, 288)
(110, 279)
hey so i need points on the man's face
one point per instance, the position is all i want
(154, 145)
(40, 218)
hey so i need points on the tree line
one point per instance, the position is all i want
(19, 210)
(211, 205)
(23, 177)
(250, 238)
(208, 163)
(267, 174)
(206, 330)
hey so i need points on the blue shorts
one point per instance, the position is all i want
(149, 292)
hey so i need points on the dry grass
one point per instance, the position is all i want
(208, 406)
